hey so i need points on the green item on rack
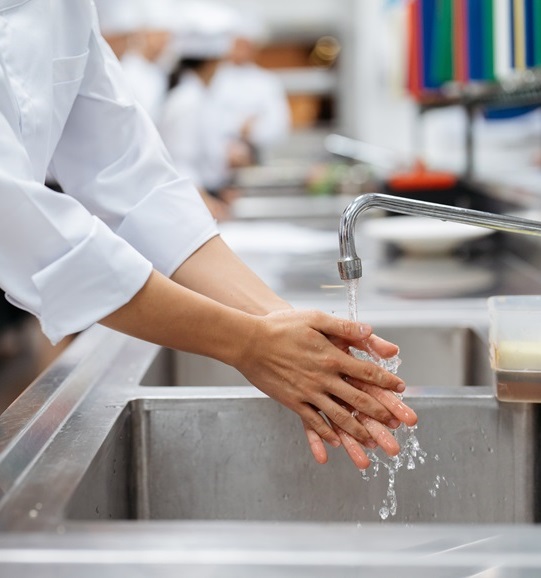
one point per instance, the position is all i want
(443, 42)
(488, 40)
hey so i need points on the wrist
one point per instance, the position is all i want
(240, 343)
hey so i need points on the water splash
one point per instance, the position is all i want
(390, 364)
(411, 452)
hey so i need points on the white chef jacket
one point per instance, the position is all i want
(72, 258)
(249, 91)
(192, 130)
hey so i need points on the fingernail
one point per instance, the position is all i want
(401, 387)
(394, 423)
(336, 443)
(371, 444)
(365, 329)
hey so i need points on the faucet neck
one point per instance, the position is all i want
(349, 264)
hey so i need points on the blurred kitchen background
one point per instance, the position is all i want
(431, 99)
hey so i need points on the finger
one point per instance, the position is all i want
(398, 408)
(383, 437)
(317, 447)
(352, 332)
(382, 347)
(370, 373)
(313, 420)
(362, 401)
(353, 449)
(339, 415)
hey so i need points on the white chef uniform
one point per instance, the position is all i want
(72, 258)
(191, 127)
(249, 92)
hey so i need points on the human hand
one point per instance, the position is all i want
(239, 154)
(247, 128)
(381, 436)
(292, 359)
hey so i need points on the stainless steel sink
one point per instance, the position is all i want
(101, 476)
(432, 354)
(236, 455)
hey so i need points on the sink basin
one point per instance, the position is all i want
(432, 355)
(240, 456)
(102, 476)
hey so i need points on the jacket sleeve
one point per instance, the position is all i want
(273, 121)
(112, 159)
(57, 261)
(70, 259)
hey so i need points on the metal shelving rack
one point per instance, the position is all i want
(520, 89)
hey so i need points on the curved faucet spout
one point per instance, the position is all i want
(349, 264)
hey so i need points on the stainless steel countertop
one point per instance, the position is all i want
(102, 370)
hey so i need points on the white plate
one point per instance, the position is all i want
(423, 235)
(439, 277)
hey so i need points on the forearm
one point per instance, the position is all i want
(215, 271)
(167, 314)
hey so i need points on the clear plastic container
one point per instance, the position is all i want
(515, 346)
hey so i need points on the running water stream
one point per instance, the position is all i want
(411, 452)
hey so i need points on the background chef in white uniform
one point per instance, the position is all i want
(255, 99)
(193, 121)
(131, 245)
(140, 33)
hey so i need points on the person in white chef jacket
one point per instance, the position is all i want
(255, 99)
(131, 245)
(140, 34)
(192, 123)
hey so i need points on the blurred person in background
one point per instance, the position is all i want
(192, 123)
(254, 98)
(140, 33)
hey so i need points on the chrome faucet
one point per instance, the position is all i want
(349, 264)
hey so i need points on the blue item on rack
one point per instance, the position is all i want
(501, 113)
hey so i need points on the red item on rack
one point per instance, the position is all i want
(460, 40)
(422, 179)
(415, 65)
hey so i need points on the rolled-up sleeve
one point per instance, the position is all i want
(57, 261)
(71, 259)
(112, 159)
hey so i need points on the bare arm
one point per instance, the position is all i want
(217, 272)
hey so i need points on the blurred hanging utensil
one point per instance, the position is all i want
(400, 174)
(357, 150)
